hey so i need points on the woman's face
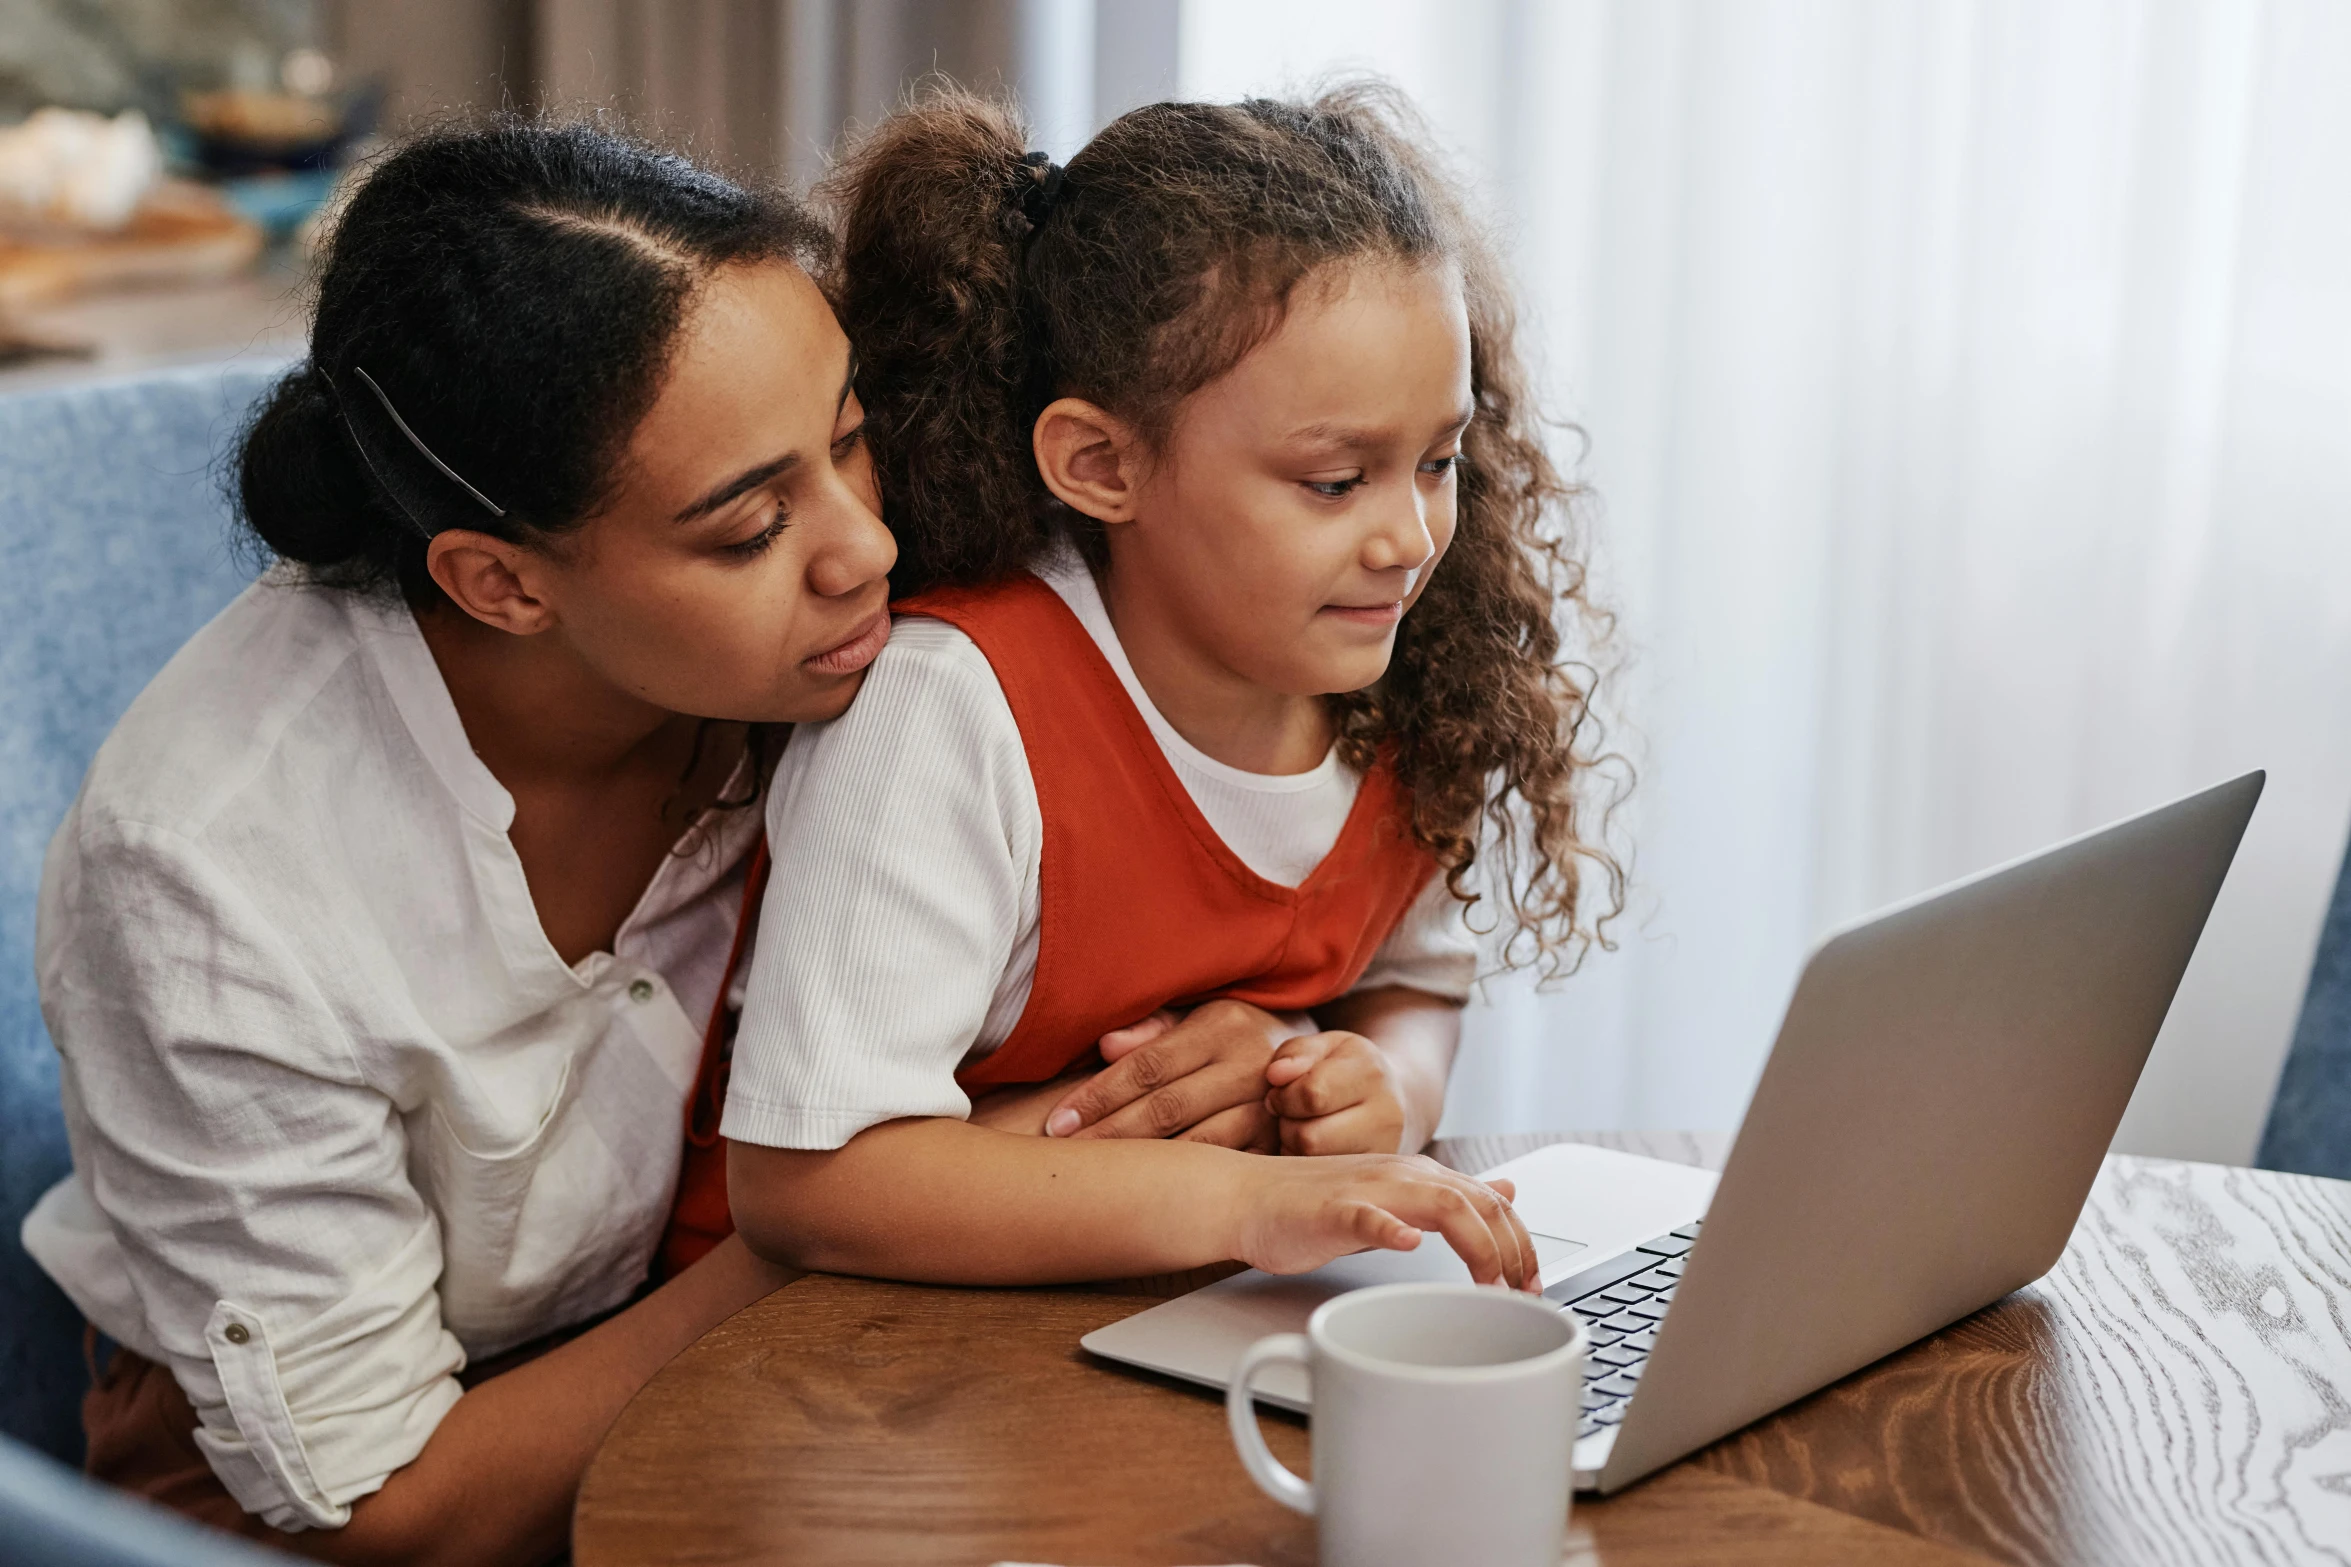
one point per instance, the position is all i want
(739, 570)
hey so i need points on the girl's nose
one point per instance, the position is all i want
(1401, 540)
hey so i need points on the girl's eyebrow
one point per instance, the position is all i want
(752, 478)
(1351, 437)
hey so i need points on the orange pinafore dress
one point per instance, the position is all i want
(1140, 904)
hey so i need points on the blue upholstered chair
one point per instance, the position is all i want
(2310, 1119)
(52, 1517)
(115, 546)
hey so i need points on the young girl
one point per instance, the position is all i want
(1234, 564)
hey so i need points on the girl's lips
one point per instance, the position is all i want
(1368, 614)
(854, 654)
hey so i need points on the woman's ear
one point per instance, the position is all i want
(1091, 460)
(488, 578)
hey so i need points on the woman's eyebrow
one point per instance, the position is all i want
(752, 478)
(741, 484)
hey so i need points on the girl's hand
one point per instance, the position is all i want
(1198, 1079)
(1305, 1212)
(1335, 1093)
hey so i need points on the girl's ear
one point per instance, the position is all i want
(1092, 460)
(490, 579)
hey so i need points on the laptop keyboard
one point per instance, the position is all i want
(1622, 1301)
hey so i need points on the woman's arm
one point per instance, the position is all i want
(230, 1132)
(942, 1201)
(496, 1481)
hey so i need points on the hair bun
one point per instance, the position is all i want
(299, 480)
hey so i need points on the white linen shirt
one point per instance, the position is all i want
(900, 927)
(341, 1118)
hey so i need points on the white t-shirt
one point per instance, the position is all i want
(341, 1117)
(898, 940)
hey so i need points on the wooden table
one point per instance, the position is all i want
(2178, 1390)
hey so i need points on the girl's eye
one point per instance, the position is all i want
(1334, 489)
(757, 544)
(848, 443)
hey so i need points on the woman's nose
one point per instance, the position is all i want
(860, 553)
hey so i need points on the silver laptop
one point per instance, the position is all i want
(1945, 1082)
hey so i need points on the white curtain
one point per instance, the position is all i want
(1969, 398)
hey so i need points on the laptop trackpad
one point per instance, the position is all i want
(1550, 1249)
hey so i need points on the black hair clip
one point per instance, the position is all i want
(1044, 192)
(417, 441)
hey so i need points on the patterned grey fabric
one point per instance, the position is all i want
(2310, 1119)
(115, 547)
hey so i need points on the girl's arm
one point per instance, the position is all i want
(496, 1480)
(936, 1200)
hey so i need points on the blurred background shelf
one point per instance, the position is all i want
(255, 314)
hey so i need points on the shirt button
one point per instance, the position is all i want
(236, 1333)
(641, 990)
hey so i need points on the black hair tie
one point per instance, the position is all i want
(1044, 191)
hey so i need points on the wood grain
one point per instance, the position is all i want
(846, 1421)
(2177, 1391)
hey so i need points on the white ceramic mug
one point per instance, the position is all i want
(1444, 1425)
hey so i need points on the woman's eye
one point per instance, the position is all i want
(1335, 489)
(757, 544)
(1438, 467)
(848, 443)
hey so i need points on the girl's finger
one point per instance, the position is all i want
(1297, 1057)
(1372, 1225)
(1332, 1086)
(1532, 1269)
(1472, 1236)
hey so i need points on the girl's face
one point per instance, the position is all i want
(1301, 500)
(739, 570)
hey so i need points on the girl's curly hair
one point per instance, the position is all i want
(1172, 246)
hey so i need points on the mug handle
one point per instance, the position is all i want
(1240, 1408)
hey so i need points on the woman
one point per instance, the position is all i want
(380, 944)
(390, 933)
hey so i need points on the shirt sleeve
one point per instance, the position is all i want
(905, 836)
(285, 1265)
(1431, 949)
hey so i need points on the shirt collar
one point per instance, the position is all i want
(388, 633)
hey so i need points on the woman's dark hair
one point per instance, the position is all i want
(510, 294)
(1169, 248)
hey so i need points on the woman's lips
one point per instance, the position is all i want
(1368, 614)
(860, 650)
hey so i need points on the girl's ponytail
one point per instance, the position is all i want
(931, 291)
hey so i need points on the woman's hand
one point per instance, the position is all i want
(1306, 1212)
(1336, 1092)
(1022, 1107)
(1198, 1079)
